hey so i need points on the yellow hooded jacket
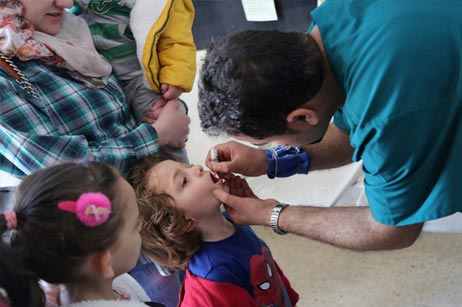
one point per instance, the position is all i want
(164, 42)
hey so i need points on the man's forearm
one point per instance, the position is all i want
(347, 227)
(333, 151)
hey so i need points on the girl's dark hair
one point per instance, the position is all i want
(51, 243)
(168, 237)
(20, 285)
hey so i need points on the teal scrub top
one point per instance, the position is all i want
(400, 65)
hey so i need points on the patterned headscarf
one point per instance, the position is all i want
(72, 48)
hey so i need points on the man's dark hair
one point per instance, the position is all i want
(251, 80)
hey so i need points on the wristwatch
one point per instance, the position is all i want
(274, 218)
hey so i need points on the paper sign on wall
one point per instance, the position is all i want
(259, 10)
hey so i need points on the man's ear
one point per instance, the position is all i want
(100, 264)
(300, 118)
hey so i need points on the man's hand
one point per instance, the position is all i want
(246, 210)
(235, 157)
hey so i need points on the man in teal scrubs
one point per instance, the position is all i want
(389, 72)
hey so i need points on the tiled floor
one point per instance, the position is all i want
(429, 273)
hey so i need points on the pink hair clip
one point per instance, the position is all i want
(92, 209)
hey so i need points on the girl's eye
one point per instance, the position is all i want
(185, 181)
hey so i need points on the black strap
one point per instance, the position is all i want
(154, 304)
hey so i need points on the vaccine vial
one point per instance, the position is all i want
(214, 155)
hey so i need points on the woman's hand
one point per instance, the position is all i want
(172, 125)
(153, 114)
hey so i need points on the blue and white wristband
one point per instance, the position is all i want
(285, 161)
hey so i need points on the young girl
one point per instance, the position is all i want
(77, 225)
(183, 226)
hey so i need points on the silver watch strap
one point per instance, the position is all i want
(274, 218)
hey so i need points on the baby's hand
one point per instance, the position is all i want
(170, 92)
(152, 114)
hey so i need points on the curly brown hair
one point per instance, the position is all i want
(168, 237)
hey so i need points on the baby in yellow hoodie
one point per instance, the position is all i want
(150, 46)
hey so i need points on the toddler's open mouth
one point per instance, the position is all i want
(215, 178)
